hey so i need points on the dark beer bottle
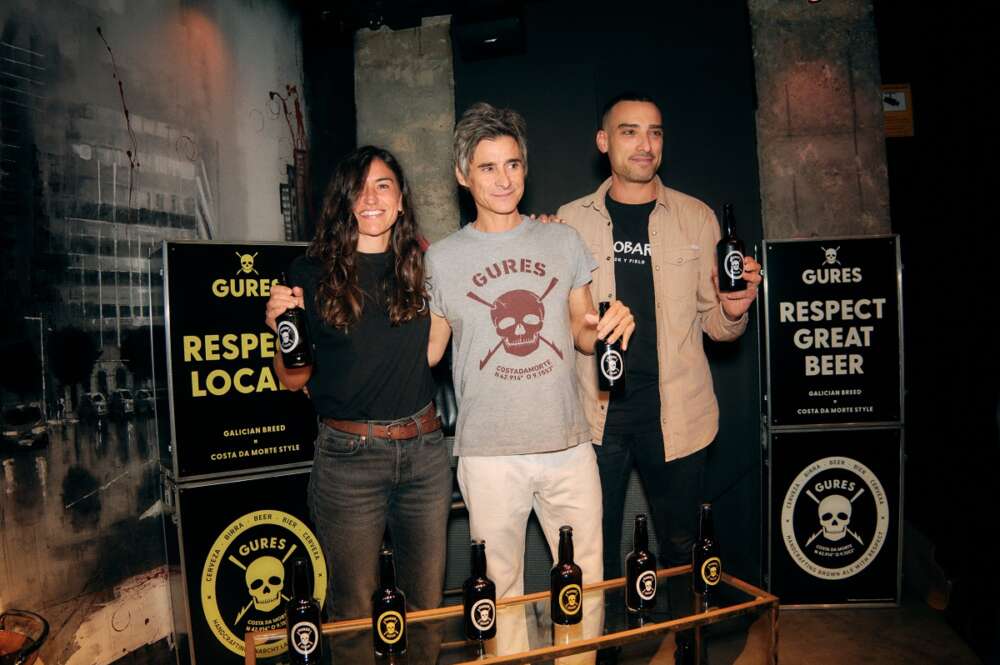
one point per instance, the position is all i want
(479, 598)
(706, 565)
(610, 361)
(293, 336)
(303, 620)
(730, 254)
(388, 610)
(640, 570)
(566, 579)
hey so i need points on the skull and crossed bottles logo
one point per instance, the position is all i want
(569, 598)
(246, 263)
(835, 518)
(483, 614)
(390, 626)
(244, 579)
(304, 637)
(645, 585)
(518, 317)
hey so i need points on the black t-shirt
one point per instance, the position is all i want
(374, 370)
(639, 409)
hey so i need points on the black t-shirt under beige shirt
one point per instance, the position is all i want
(638, 411)
(374, 370)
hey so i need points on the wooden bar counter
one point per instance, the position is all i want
(525, 633)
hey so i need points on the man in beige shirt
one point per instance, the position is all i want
(655, 249)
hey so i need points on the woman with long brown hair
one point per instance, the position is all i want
(380, 458)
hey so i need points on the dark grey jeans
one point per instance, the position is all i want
(361, 485)
(673, 490)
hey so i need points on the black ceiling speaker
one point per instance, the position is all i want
(494, 34)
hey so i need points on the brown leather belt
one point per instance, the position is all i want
(424, 422)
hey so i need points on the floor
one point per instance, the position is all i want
(913, 634)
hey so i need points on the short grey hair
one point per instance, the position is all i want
(485, 121)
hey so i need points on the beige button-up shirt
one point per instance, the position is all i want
(683, 233)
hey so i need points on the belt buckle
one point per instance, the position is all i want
(388, 430)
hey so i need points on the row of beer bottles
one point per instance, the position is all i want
(479, 592)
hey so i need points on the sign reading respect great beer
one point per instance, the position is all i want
(230, 412)
(833, 331)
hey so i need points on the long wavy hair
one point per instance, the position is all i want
(339, 298)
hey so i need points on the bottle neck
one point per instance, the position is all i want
(602, 307)
(640, 537)
(705, 529)
(387, 570)
(300, 580)
(728, 225)
(479, 560)
(565, 547)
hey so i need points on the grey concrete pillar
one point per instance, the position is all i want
(821, 144)
(404, 89)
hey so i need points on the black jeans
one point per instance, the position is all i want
(673, 490)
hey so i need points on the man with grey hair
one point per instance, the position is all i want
(516, 295)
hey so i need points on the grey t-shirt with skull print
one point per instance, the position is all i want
(506, 296)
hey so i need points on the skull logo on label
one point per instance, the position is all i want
(304, 638)
(390, 627)
(483, 614)
(734, 265)
(288, 336)
(645, 585)
(612, 364)
(569, 599)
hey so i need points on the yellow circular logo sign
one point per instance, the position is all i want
(390, 626)
(571, 598)
(711, 570)
(244, 584)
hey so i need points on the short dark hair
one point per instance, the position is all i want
(626, 96)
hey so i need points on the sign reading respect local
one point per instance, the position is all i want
(833, 331)
(230, 412)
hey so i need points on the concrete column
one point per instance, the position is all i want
(821, 144)
(404, 89)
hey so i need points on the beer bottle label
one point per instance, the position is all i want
(288, 336)
(645, 585)
(734, 264)
(612, 365)
(390, 626)
(483, 614)
(570, 599)
(711, 570)
(305, 637)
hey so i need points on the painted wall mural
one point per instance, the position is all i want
(122, 124)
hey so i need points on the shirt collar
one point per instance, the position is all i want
(596, 200)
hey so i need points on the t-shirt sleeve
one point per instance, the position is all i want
(583, 261)
(433, 285)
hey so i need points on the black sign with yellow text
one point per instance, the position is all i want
(241, 537)
(229, 411)
(833, 331)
